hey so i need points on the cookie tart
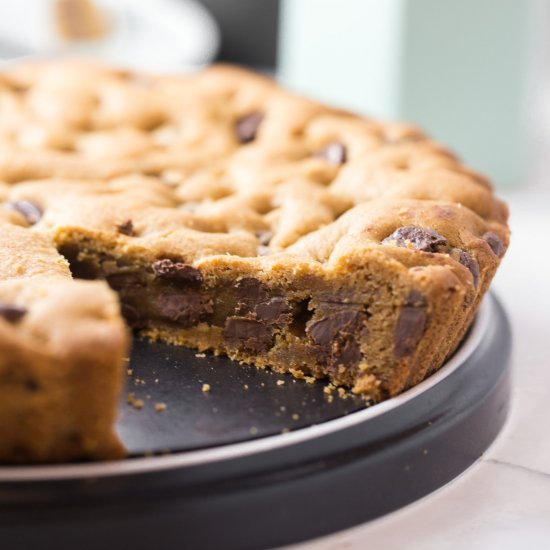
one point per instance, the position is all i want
(228, 215)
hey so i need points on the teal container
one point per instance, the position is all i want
(458, 69)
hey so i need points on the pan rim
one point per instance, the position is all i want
(187, 459)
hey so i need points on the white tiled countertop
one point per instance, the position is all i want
(502, 501)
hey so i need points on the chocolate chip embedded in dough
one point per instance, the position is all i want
(126, 228)
(424, 239)
(127, 283)
(32, 385)
(466, 260)
(495, 242)
(185, 308)
(275, 310)
(334, 153)
(264, 237)
(338, 320)
(411, 324)
(348, 354)
(176, 271)
(254, 300)
(251, 291)
(12, 313)
(130, 315)
(247, 126)
(249, 334)
(29, 210)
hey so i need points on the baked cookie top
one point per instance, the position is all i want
(227, 164)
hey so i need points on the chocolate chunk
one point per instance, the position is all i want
(127, 283)
(250, 334)
(411, 324)
(347, 355)
(126, 228)
(30, 211)
(336, 333)
(177, 271)
(12, 313)
(339, 320)
(466, 260)
(494, 241)
(250, 292)
(131, 315)
(185, 308)
(31, 385)
(254, 300)
(419, 238)
(334, 153)
(264, 237)
(247, 126)
(275, 310)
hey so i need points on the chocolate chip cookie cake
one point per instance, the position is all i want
(221, 212)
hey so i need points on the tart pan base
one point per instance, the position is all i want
(233, 480)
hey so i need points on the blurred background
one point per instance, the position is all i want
(471, 73)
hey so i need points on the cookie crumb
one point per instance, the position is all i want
(200, 355)
(280, 382)
(295, 416)
(136, 403)
(297, 373)
(342, 393)
(253, 430)
(205, 388)
(245, 386)
(159, 407)
(129, 372)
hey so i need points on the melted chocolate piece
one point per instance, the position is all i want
(30, 211)
(127, 283)
(250, 292)
(334, 153)
(466, 260)
(424, 239)
(339, 320)
(247, 126)
(130, 315)
(32, 385)
(494, 241)
(126, 228)
(12, 313)
(264, 237)
(411, 324)
(249, 334)
(346, 355)
(274, 310)
(177, 271)
(254, 301)
(335, 334)
(185, 308)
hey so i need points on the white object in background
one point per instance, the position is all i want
(457, 69)
(146, 34)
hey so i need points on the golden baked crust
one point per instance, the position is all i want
(234, 216)
(62, 344)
